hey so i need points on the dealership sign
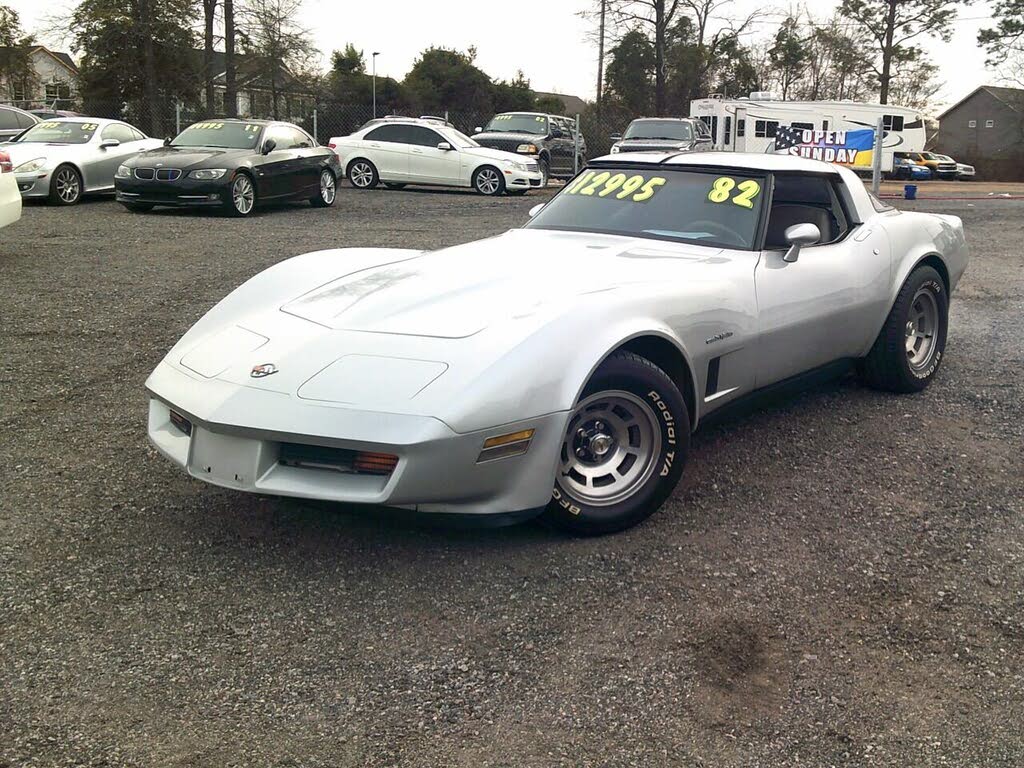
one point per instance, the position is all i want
(841, 147)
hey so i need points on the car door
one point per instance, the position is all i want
(387, 147)
(561, 147)
(100, 162)
(827, 304)
(278, 170)
(427, 163)
(307, 169)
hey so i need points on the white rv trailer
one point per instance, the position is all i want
(749, 124)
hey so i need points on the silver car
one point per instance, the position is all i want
(60, 160)
(560, 368)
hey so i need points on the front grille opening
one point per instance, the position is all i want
(342, 460)
(180, 423)
(144, 173)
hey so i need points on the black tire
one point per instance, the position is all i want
(328, 191)
(366, 176)
(545, 172)
(516, 192)
(488, 181)
(657, 410)
(239, 203)
(895, 362)
(393, 185)
(65, 186)
(138, 207)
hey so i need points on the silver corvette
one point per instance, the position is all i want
(559, 368)
(62, 159)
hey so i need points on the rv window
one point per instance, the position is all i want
(728, 129)
(765, 129)
(892, 122)
(741, 128)
(803, 126)
(824, 125)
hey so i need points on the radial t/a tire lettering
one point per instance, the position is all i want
(909, 348)
(623, 451)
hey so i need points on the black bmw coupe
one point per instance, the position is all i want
(233, 165)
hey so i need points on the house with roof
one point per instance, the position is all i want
(572, 105)
(257, 88)
(52, 82)
(986, 129)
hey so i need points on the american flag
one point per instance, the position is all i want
(786, 137)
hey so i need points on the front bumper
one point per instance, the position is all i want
(237, 433)
(516, 179)
(182, 192)
(35, 184)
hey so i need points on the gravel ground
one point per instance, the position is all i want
(838, 581)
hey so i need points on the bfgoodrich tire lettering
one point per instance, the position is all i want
(911, 344)
(624, 448)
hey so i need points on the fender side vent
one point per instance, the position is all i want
(712, 385)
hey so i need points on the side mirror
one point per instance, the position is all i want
(798, 236)
(536, 209)
(268, 146)
(109, 143)
(616, 137)
(478, 129)
(167, 141)
(444, 146)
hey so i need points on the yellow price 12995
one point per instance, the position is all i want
(620, 186)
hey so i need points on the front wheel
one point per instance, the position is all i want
(242, 200)
(488, 181)
(908, 351)
(66, 186)
(623, 450)
(328, 190)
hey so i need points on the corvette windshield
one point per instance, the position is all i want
(713, 207)
(513, 123)
(659, 129)
(219, 135)
(56, 132)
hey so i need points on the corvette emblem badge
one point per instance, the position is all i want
(263, 370)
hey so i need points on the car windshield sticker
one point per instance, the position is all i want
(209, 126)
(618, 186)
(49, 125)
(89, 127)
(721, 191)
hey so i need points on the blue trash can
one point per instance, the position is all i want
(910, 191)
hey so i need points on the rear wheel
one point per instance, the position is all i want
(242, 200)
(545, 171)
(393, 185)
(363, 174)
(488, 181)
(623, 450)
(908, 351)
(66, 186)
(328, 190)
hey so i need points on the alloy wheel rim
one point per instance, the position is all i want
(609, 449)
(922, 329)
(362, 175)
(67, 185)
(327, 187)
(242, 194)
(487, 181)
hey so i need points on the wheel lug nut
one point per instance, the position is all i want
(580, 453)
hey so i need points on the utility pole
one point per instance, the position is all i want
(375, 55)
(230, 90)
(600, 53)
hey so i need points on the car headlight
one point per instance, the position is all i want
(529, 149)
(123, 172)
(207, 174)
(31, 165)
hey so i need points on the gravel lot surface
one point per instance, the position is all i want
(838, 581)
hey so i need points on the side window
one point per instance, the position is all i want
(287, 137)
(423, 137)
(25, 121)
(299, 139)
(741, 128)
(8, 120)
(139, 135)
(803, 126)
(805, 199)
(892, 122)
(118, 131)
(728, 130)
(394, 134)
(766, 129)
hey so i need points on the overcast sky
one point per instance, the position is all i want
(556, 55)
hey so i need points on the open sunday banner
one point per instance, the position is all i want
(853, 148)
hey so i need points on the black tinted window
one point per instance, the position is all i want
(9, 120)
(397, 134)
(25, 121)
(423, 137)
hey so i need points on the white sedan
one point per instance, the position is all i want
(10, 200)
(61, 160)
(400, 151)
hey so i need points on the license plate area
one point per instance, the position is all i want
(225, 460)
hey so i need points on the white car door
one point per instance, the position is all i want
(387, 147)
(427, 163)
(826, 305)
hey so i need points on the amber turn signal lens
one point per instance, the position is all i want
(514, 437)
(375, 463)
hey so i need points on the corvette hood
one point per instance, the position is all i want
(458, 292)
(186, 157)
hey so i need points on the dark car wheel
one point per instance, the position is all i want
(393, 185)
(242, 198)
(516, 192)
(623, 450)
(362, 174)
(328, 190)
(487, 180)
(908, 351)
(66, 186)
(138, 207)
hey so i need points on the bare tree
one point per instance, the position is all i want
(230, 89)
(209, 24)
(276, 43)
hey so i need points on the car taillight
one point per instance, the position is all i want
(332, 145)
(5, 163)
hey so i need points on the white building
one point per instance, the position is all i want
(54, 81)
